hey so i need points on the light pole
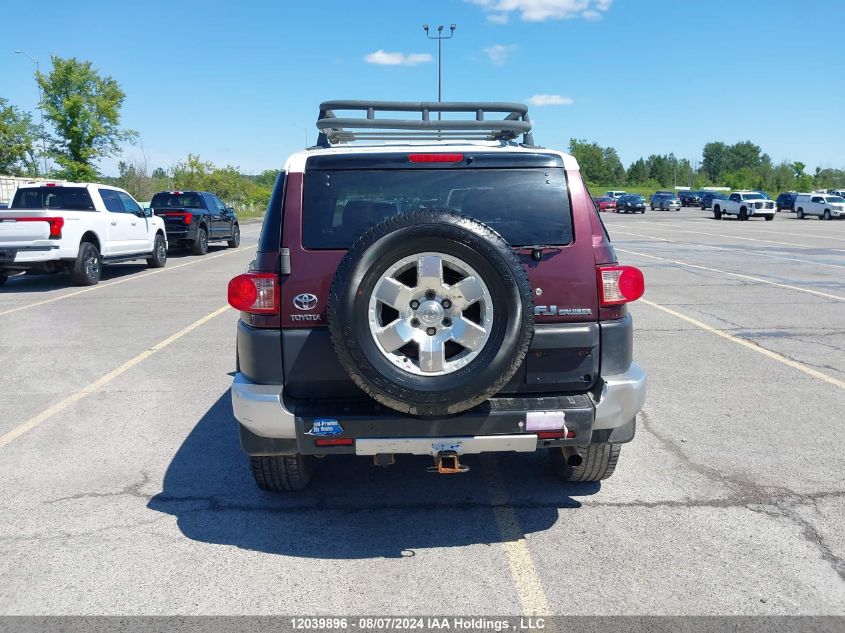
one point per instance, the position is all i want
(40, 108)
(439, 37)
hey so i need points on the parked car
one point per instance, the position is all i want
(744, 205)
(630, 203)
(605, 204)
(689, 198)
(614, 194)
(76, 228)
(786, 201)
(837, 192)
(377, 320)
(825, 206)
(665, 201)
(708, 197)
(195, 218)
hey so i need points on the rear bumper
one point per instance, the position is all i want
(272, 424)
(43, 251)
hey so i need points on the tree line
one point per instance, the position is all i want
(82, 126)
(742, 165)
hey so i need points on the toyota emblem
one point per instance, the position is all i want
(305, 301)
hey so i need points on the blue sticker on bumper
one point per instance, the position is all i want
(325, 426)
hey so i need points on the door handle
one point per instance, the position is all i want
(133, 224)
(114, 223)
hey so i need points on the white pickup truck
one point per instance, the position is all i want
(76, 227)
(744, 205)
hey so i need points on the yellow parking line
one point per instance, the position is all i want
(529, 588)
(760, 350)
(730, 250)
(49, 412)
(108, 284)
(740, 275)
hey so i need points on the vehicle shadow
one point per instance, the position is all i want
(57, 281)
(351, 509)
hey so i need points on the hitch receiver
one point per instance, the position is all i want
(448, 463)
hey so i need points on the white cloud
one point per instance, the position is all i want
(541, 10)
(498, 53)
(397, 59)
(547, 100)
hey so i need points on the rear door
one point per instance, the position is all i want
(139, 234)
(220, 221)
(525, 197)
(120, 230)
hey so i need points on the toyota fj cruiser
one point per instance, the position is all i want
(444, 292)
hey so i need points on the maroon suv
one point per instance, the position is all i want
(444, 297)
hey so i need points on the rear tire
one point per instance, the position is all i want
(769, 218)
(159, 254)
(88, 266)
(236, 237)
(800, 214)
(599, 462)
(282, 473)
(717, 214)
(200, 245)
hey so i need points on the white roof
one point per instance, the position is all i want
(65, 183)
(296, 162)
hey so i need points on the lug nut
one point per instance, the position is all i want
(431, 331)
(446, 304)
(415, 322)
(447, 322)
(415, 304)
(429, 294)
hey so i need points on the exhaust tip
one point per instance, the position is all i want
(574, 460)
(573, 457)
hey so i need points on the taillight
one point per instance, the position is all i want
(56, 225)
(619, 284)
(187, 217)
(435, 158)
(335, 441)
(255, 293)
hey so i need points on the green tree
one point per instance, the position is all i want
(159, 173)
(637, 172)
(84, 110)
(715, 160)
(590, 158)
(614, 171)
(18, 156)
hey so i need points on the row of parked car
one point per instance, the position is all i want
(52, 227)
(825, 205)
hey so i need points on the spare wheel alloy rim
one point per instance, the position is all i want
(430, 314)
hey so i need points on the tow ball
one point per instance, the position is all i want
(448, 463)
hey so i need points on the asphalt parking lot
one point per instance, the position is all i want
(124, 490)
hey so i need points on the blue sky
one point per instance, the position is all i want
(239, 82)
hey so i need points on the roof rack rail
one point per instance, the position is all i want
(334, 129)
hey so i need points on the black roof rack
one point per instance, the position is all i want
(335, 129)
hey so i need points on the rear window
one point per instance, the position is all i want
(176, 201)
(526, 206)
(68, 198)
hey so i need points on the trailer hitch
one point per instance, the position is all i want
(448, 463)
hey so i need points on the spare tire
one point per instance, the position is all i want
(431, 313)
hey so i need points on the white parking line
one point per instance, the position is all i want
(760, 350)
(49, 412)
(749, 239)
(109, 284)
(740, 275)
(730, 250)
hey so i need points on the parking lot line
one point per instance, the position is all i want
(739, 341)
(108, 284)
(529, 588)
(751, 239)
(49, 412)
(826, 295)
(730, 250)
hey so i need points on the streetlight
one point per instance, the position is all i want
(439, 37)
(40, 108)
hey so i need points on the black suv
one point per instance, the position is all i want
(690, 198)
(432, 299)
(195, 218)
(786, 201)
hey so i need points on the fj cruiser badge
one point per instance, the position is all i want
(325, 426)
(305, 301)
